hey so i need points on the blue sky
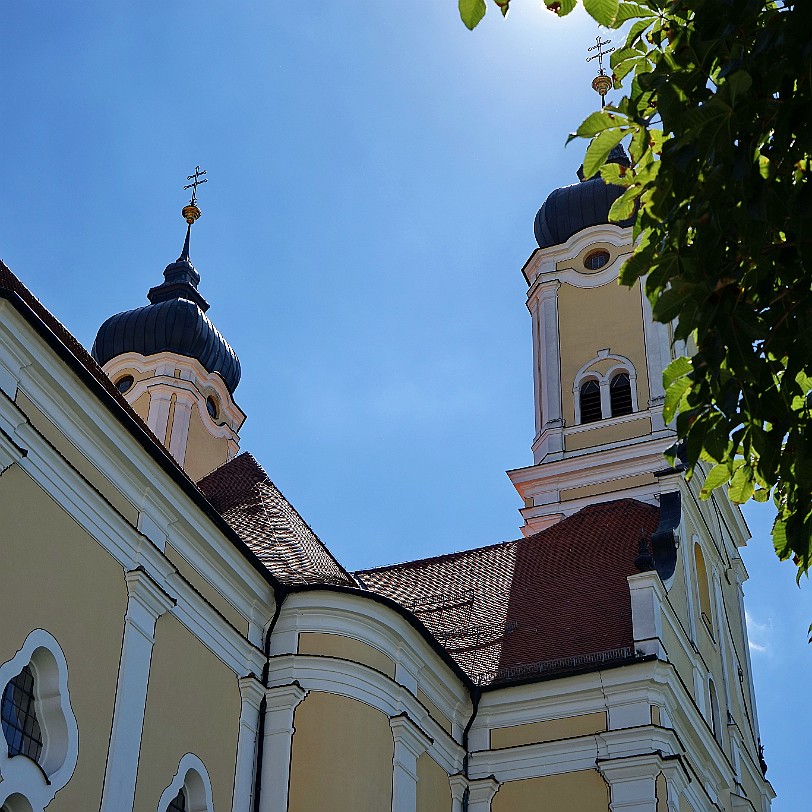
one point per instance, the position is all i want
(374, 170)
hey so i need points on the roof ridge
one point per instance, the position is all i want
(456, 554)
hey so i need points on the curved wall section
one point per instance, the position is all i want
(342, 756)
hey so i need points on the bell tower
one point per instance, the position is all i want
(598, 358)
(174, 367)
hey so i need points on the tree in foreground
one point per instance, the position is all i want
(717, 114)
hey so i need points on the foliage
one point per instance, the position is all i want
(718, 118)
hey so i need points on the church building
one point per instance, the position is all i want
(176, 638)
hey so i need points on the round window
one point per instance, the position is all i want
(595, 260)
(124, 383)
(211, 406)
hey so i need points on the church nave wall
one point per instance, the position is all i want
(193, 706)
(55, 577)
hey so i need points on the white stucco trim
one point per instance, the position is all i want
(60, 733)
(410, 743)
(146, 602)
(550, 262)
(251, 694)
(193, 777)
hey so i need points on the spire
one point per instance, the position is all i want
(180, 277)
(601, 83)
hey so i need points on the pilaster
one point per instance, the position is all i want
(458, 784)
(647, 595)
(632, 782)
(410, 743)
(180, 426)
(146, 602)
(280, 706)
(548, 351)
(481, 792)
(251, 693)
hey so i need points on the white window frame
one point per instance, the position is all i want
(27, 783)
(193, 777)
(586, 373)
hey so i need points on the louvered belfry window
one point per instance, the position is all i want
(178, 803)
(620, 394)
(590, 402)
(20, 724)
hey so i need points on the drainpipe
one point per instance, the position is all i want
(280, 593)
(476, 695)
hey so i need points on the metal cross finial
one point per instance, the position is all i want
(598, 46)
(195, 183)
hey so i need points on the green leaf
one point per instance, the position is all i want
(623, 207)
(780, 542)
(561, 7)
(672, 301)
(602, 11)
(598, 151)
(472, 12)
(761, 495)
(741, 486)
(630, 11)
(595, 123)
(717, 476)
(678, 368)
(674, 397)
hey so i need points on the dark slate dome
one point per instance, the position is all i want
(573, 208)
(174, 321)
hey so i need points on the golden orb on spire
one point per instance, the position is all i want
(602, 84)
(190, 213)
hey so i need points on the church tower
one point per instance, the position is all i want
(598, 359)
(174, 367)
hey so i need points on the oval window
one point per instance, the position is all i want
(211, 406)
(595, 260)
(124, 383)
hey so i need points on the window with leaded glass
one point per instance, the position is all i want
(20, 724)
(590, 402)
(178, 803)
(620, 394)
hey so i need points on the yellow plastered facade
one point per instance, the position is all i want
(59, 561)
(614, 317)
(598, 434)
(193, 706)
(581, 791)
(141, 406)
(346, 648)
(341, 758)
(204, 452)
(433, 789)
(611, 486)
(549, 730)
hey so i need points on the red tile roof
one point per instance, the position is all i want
(254, 507)
(556, 601)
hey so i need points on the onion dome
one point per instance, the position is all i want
(573, 208)
(174, 321)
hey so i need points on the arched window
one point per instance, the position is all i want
(38, 725)
(620, 394)
(702, 587)
(20, 724)
(590, 401)
(178, 803)
(190, 790)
